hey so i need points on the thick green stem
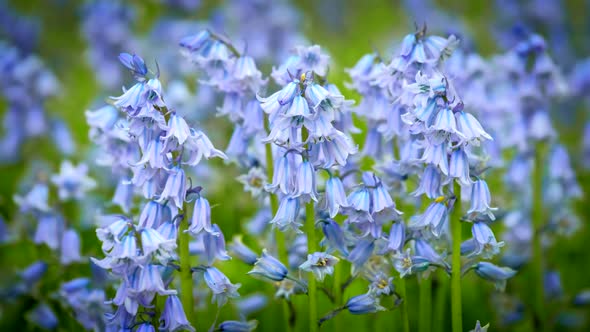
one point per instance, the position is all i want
(425, 307)
(537, 273)
(311, 284)
(337, 291)
(403, 309)
(186, 276)
(456, 314)
(440, 303)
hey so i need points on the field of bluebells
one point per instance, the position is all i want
(241, 165)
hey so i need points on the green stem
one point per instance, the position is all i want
(403, 309)
(311, 284)
(440, 303)
(337, 291)
(279, 236)
(425, 307)
(186, 276)
(455, 221)
(540, 318)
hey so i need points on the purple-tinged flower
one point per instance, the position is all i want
(237, 326)
(497, 274)
(123, 196)
(220, 285)
(459, 167)
(335, 197)
(480, 199)
(471, 129)
(251, 304)
(425, 250)
(381, 284)
(168, 230)
(240, 250)
(287, 216)
(145, 327)
(360, 200)
(254, 181)
(312, 59)
(363, 304)
(135, 64)
(112, 232)
(72, 181)
(334, 237)
(360, 254)
(282, 179)
(485, 241)
(70, 247)
(177, 128)
(201, 219)
(123, 253)
(326, 153)
(380, 198)
(43, 316)
(150, 281)
(436, 154)
(153, 214)
(430, 183)
(49, 230)
(320, 264)
(154, 244)
(479, 328)
(397, 236)
(269, 267)
(214, 244)
(173, 317)
(406, 264)
(436, 217)
(197, 146)
(175, 188)
(33, 273)
(36, 199)
(305, 185)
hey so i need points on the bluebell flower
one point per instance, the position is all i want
(481, 200)
(238, 326)
(485, 241)
(251, 304)
(201, 219)
(306, 182)
(287, 216)
(254, 181)
(430, 183)
(471, 129)
(150, 281)
(145, 327)
(406, 264)
(269, 267)
(33, 273)
(360, 200)
(220, 285)
(49, 231)
(175, 188)
(240, 250)
(134, 63)
(425, 250)
(436, 217)
(153, 154)
(197, 146)
(361, 253)
(582, 298)
(112, 233)
(436, 154)
(335, 196)
(312, 59)
(459, 167)
(70, 247)
(283, 176)
(333, 151)
(363, 304)
(397, 237)
(479, 328)
(72, 181)
(552, 285)
(334, 237)
(177, 128)
(153, 214)
(173, 317)
(154, 245)
(320, 264)
(491, 272)
(34, 200)
(124, 195)
(196, 42)
(43, 316)
(245, 71)
(168, 230)
(381, 284)
(215, 245)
